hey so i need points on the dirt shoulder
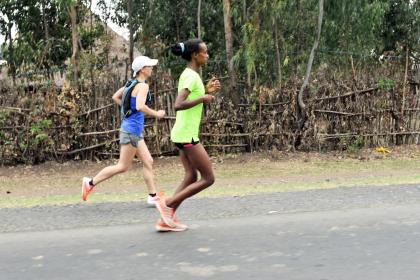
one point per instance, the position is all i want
(238, 174)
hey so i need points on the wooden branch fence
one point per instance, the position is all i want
(77, 125)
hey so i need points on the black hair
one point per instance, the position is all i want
(186, 49)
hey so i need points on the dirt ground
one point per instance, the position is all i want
(236, 174)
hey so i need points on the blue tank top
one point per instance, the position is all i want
(135, 122)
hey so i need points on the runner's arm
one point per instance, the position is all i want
(117, 97)
(141, 90)
(181, 102)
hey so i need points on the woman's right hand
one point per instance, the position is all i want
(160, 114)
(208, 98)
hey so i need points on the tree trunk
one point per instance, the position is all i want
(244, 18)
(298, 36)
(107, 15)
(11, 59)
(278, 56)
(47, 39)
(75, 46)
(44, 20)
(199, 28)
(131, 29)
(90, 20)
(178, 37)
(311, 56)
(405, 81)
(92, 66)
(229, 52)
(199, 20)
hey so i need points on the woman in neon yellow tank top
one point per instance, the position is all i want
(192, 94)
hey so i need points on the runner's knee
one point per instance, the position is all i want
(209, 179)
(122, 168)
(191, 176)
(148, 163)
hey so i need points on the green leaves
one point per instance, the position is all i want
(43, 34)
(270, 36)
(401, 28)
(386, 84)
(353, 25)
(286, 61)
(40, 126)
(39, 132)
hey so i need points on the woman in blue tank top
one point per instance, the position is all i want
(131, 139)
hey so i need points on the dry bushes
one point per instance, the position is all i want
(343, 112)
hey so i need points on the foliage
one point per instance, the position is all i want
(386, 84)
(355, 144)
(44, 39)
(354, 25)
(39, 131)
(401, 28)
(262, 30)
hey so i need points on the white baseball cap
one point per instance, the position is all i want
(140, 62)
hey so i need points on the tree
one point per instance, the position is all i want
(45, 24)
(311, 57)
(131, 14)
(74, 40)
(10, 11)
(131, 30)
(401, 28)
(232, 89)
(199, 20)
(161, 23)
(261, 28)
(353, 25)
(263, 41)
(71, 7)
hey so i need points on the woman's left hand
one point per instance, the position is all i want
(213, 86)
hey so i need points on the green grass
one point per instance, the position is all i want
(214, 191)
(234, 177)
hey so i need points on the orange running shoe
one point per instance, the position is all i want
(178, 224)
(162, 227)
(166, 213)
(86, 188)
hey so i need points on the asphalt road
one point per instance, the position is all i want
(347, 233)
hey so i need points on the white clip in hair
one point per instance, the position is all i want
(182, 47)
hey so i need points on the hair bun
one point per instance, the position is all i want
(177, 49)
(187, 48)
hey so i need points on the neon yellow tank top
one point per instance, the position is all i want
(187, 123)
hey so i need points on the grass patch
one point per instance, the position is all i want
(237, 176)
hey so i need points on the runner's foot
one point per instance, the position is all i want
(162, 227)
(86, 188)
(151, 200)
